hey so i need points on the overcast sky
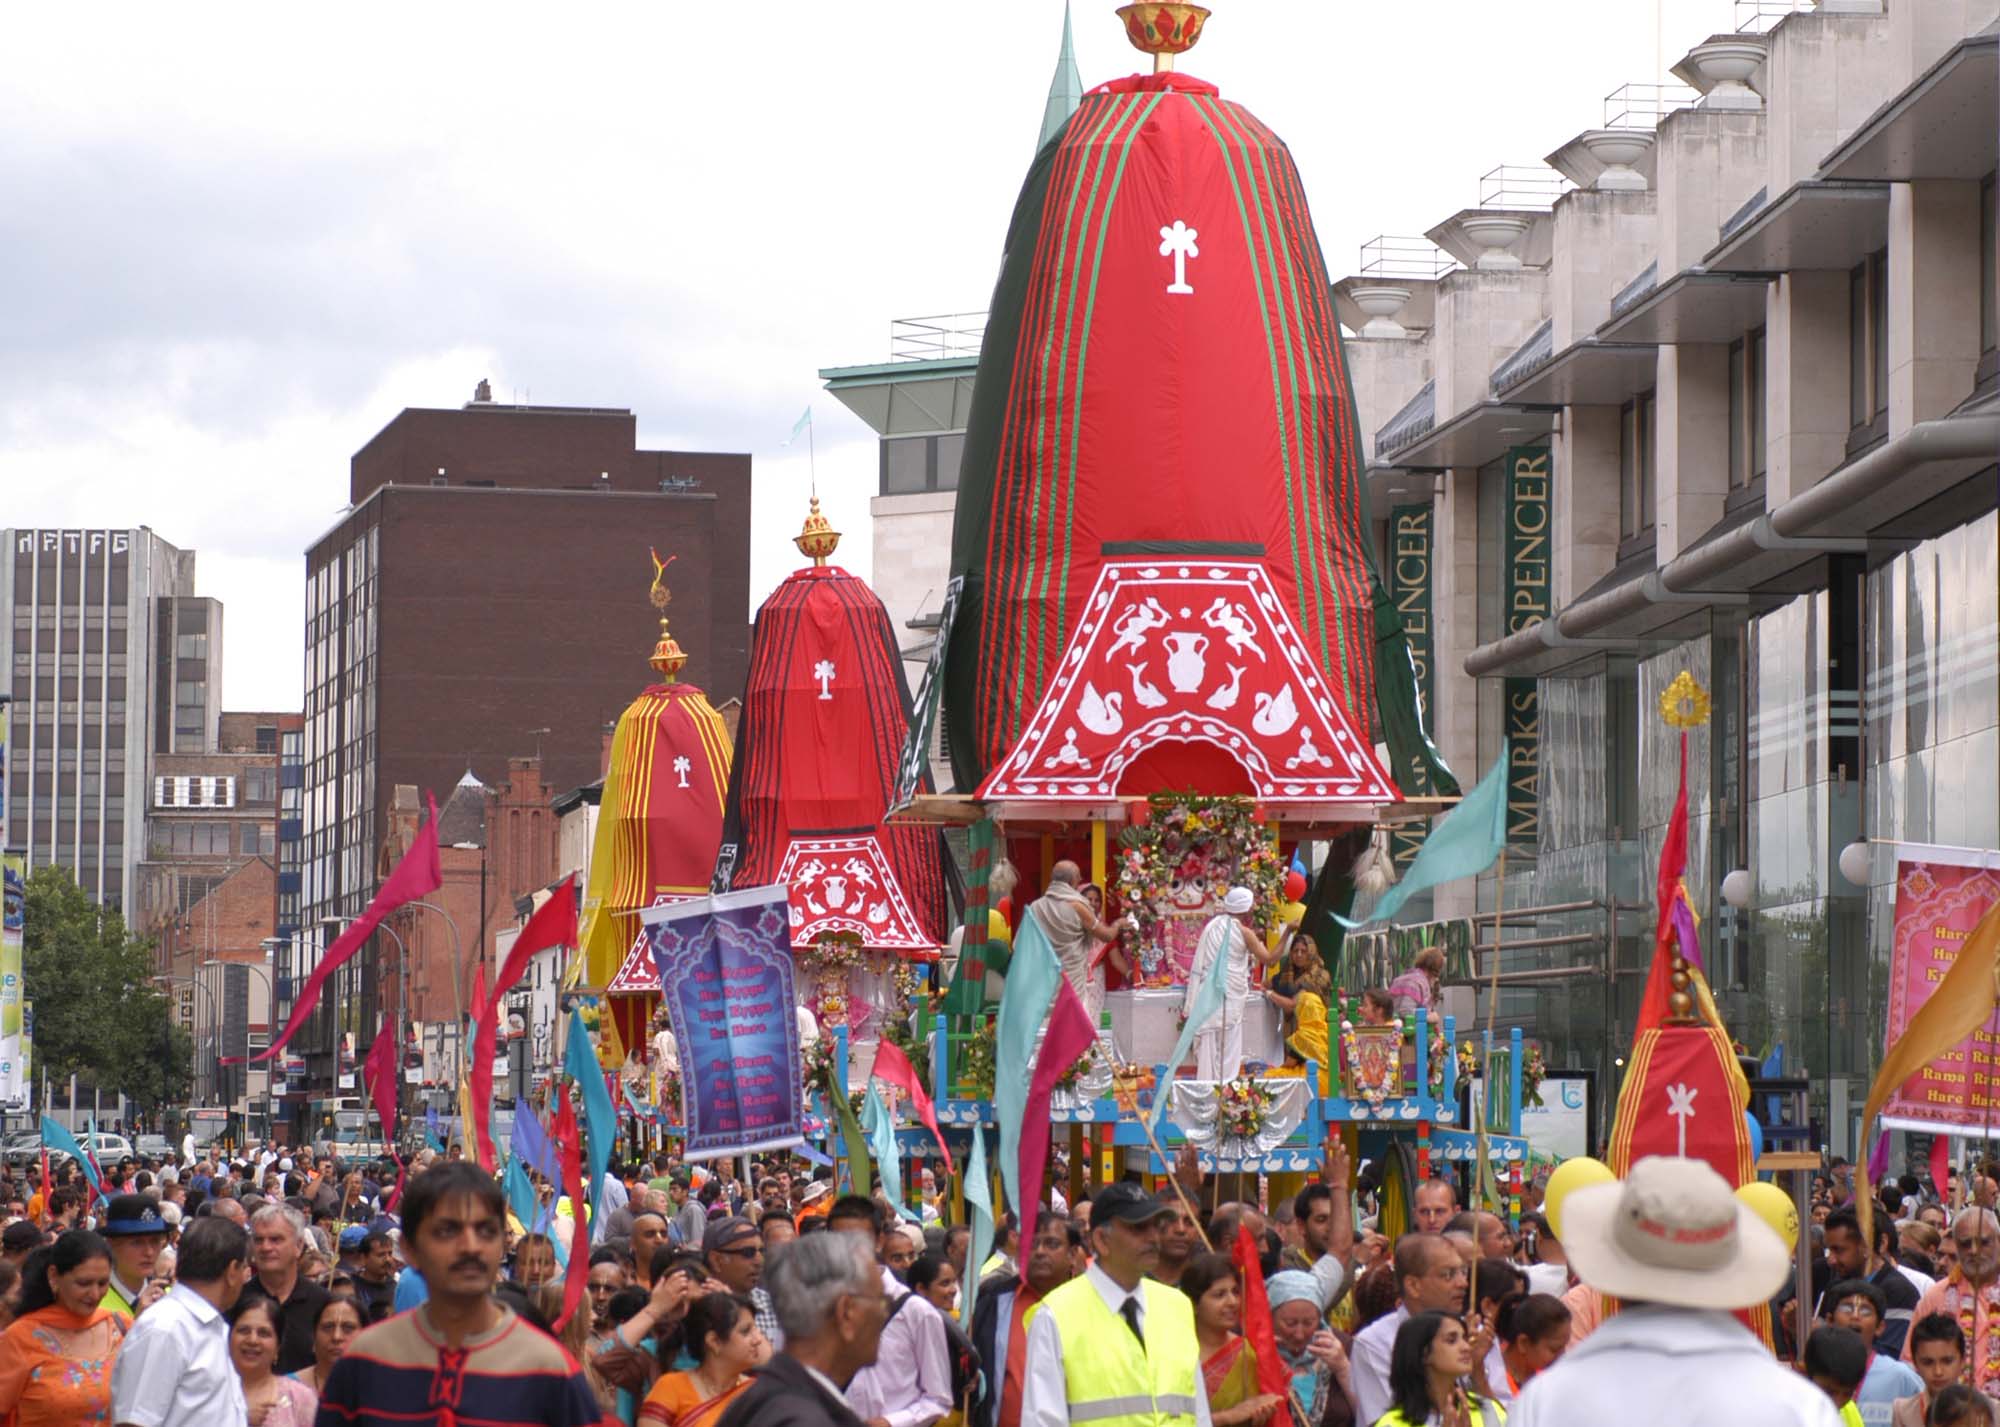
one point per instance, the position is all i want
(235, 241)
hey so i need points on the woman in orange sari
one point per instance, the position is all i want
(55, 1359)
(1228, 1362)
(721, 1335)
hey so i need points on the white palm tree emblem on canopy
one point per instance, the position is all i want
(1680, 1104)
(823, 671)
(1177, 243)
(681, 766)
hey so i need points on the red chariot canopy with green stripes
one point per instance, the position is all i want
(1161, 551)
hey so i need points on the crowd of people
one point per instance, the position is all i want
(286, 1290)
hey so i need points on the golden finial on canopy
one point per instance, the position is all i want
(1163, 30)
(668, 658)
(817, 539)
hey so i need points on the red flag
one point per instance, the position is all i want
(553, 924)
(1673, 865)
(378, 1073)
(1070, 1034)
(476, 998)
(1258, 1331)
(564, 1132)
(1940, 1163)
(893, 1066)
(415, 877)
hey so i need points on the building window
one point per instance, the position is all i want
(1635, 468)
(1868, 340)
(913, 464)
(258, 838)
(1746, 409)
(191, 646)
(267, 738)
(260, 787)
(1989, 261)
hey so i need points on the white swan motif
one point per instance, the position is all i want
(1275, 715)
(1101, 713)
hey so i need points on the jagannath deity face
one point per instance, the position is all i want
(1191, 887)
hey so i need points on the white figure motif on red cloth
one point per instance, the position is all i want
(823, 671)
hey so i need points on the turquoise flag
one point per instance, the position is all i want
(1465, 842)
(600, 1119)
(804, 423)
(1208, 998)
(55, 1137)
(1032, 979)
(881, 1128)
(979, 1198)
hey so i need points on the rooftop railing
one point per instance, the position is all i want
(924, 339)
(1642, 106)
(1391, 256)
(1755, 17)
(1522, 186)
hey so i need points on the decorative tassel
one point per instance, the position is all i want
(1374, 871)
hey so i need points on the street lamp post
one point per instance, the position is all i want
(457, 986)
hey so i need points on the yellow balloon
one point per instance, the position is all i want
(997, 928)
(1578, 1173)
(1774, 1207)
(1291, 913)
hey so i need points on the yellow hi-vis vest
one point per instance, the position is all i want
(1479, 1412)
(1109, 1380)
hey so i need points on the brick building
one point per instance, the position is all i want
(207, 888)
(483, 597)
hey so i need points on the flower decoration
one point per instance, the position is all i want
(1241, 1107)
(1534, 1070)
(1183, 835)
(1071, 1080)
(978, 1064)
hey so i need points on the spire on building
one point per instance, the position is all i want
(1065, 89)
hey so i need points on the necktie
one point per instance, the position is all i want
(1129, 1310)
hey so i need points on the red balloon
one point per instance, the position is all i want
(1005, 907)
(1295, 885)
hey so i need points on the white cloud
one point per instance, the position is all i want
(239, 239)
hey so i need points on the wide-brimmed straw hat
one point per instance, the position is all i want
(1672, 1232)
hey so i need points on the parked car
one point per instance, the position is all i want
(22, 1149)
(106, 1149)
(152, 1146)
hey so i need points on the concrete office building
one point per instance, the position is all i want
(100, 674)
(1724, 398)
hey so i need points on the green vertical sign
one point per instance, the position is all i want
(1526, 604)
(1410, 551)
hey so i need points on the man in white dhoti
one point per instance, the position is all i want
(1074, 930)
(1218, 1046)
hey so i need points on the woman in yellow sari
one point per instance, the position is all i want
(1302, 991)
(722, 1337)
(1228, 1362)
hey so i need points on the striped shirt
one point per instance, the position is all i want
(399, 1373)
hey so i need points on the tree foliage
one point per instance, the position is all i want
(98, 1013)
